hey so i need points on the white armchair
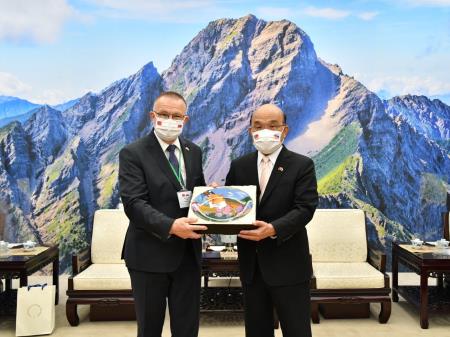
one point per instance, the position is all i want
(100, 276)
(346, 272)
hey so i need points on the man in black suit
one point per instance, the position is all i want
(157, 174)
(274, 258)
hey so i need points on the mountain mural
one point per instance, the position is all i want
(14, 106)
(387, 157)
(17, 109)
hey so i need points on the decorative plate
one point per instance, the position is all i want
(222, 204)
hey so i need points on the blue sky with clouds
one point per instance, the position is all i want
(55, 50)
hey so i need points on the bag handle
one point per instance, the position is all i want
(37, 285)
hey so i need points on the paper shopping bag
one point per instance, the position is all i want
(35, 310)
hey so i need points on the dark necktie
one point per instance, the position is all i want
(173, 159)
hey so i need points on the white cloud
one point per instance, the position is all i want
(367, 16)
(38, 20)
(12, 86)
(402, 85)
(428, 3)
(50, 96)
(326, 13)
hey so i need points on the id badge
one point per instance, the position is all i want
(184, 198)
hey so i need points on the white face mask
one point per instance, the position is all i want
(167, 129)
(267, 141)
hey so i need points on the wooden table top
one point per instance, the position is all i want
(426, 254)
(19, 255)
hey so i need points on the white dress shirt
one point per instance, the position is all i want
(272, 159)
(178, 154)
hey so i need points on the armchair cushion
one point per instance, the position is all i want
(102, 276)
(108, 235)
(338, 235)
(353, 275)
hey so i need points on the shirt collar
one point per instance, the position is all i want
(273, 156)
(165, 145)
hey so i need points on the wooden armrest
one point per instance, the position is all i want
(312, 284)
(446, 223)
(311, 265)
(377, 259)
(81, 261)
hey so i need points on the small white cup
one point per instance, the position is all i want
(442, 244)
(417, 243)
(29, 245)
(3, 247)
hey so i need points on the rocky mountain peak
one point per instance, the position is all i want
(429, 117)
(47, 132)
(234, 65)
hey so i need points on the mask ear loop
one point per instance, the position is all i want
(282, 138)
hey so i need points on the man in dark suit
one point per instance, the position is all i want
(157, 174)
(274, 258)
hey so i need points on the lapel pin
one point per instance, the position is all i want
(280, 168)
(187, 148)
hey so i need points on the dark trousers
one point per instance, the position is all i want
(180, 289)
(292, 304)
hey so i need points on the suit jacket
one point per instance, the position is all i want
(148, 189)
(288, 203)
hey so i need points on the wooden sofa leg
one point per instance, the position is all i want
(385, 312)
(72, 314)
(315, 313)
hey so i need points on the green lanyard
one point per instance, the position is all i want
(178, 176)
